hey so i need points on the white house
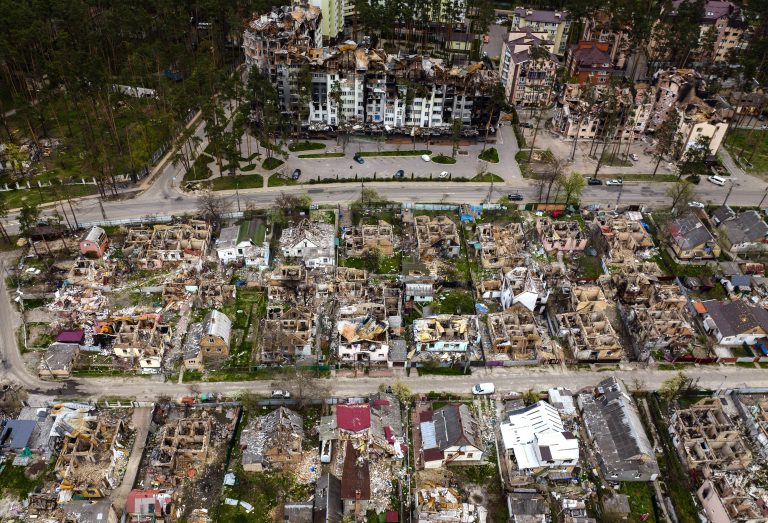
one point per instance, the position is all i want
(536, 438)
(734, 323)
(449, 435)
(312, 241)
(230, 250)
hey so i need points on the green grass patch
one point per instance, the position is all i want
(615, 160)
(272, 163)
(280, 180)
(441, 158)
(649, 177)
(490, 155)
(230, 183)
(440, 371)
(14, 482)
(666, 263)
(322, 155)
(487, 177)
(640, 500)
(16, 198)
(539, 156)
(454, 301)
(589, 267)
(672, 366)
(742, 142)
(305, 146)
(405, 152)
(199, 170)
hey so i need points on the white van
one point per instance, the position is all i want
(717, 180)
(484, 388)
(325, 450)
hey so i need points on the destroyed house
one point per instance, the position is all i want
(287, 334)
(327, 505)
(726, 499)
(624, 238)
(168, 245)
(147, 505)
(314, 242)
(387, 424)
(92, 452)
(515, 333)
(450, 434)
(183, 444)
(365, 238)
(141, 339)
(527, 507)
(590, 336)
(436, 237)
(233, 245)
(89, 511)
(499, 246)
(614, 428)
(272, 441)
(560, 235)
(363, 340)
(708, 440)
(58, 360)
(525, 286)
(445, 333)
(440, 504)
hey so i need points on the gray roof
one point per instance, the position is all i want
(736, 317)
(617, 504)
(688, 232)
(59, 356)
(88, 511)
(298, 512)
(747, 227)
(455, 426)
(386, 415)
(398, 350)
(17, 433)
(269, 431)
(527, 504)
(328, 508)
(94, 234)
(537, 15)
(228, 237)
(217, 324)
(613, 422)
(723, 213)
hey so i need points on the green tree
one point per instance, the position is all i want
(28, 218)
(456, 128)
(666, 137)
(572, 185)
(3, 216)
(694, 159)
(530, 397)
(304, 97)
(672, 388)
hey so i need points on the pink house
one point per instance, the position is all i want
(95, 242)
(557, 235)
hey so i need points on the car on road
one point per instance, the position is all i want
(296, 174)
(358, 159)
(634, 157)
(526, 125)
(426, 158)
(717, 180)
(696, 204)
(694, 179)
(443, 174)
(594, 181)
(515, 197)
(484, 388)
(399, 174)
(614, 182)
(281, 394)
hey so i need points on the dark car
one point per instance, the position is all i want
(694, 178)
(358, 159)
(526, 125)
(594, 181)
(296, 174)
(515, 197)
(399, 174)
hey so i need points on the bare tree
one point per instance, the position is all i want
(554, 174)
(303, 386)
(681, 194)
(210, 206)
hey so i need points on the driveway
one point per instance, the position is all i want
(142, 418)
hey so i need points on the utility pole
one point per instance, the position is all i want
(729, 193)
(101, 206)
(763, 198)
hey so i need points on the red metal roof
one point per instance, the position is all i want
(434, 454)
(140, 500)
(74, 336)
(378, 403)
(392, 516)
(353, 418)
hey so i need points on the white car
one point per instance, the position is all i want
(281, 394)
(717, 180)
(614, 182)
(444, 174)
(698, 205)
(634, 157)
(484, 389)
(426, 158)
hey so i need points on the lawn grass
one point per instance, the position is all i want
(405, 152)
(441, 158)
(305, 146)
(640, 500)
(539, 156)
(272, 163)
(322, 155)
(230, 183)
(749, 141)
(672, 366)
(199, 170)
(590, 267)
(455, 301)
(280, 180)
(13, 482)
(440, 371)
(487, 177)
(649, 177)
(490, 155)
(16, 198)
(667, 264)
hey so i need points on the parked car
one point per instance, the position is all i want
(526, 125)
(443, 174)
(698, 205)
(484, 388)
(717, 180)
(399, 174)
(614, 182)
(281, 394)
(296, 174)
(594, 181)
(326, 446)
(426, 158)
(694, 179)
(358, 159)
(634, 157)
(515, 197)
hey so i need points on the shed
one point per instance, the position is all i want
(16, 434)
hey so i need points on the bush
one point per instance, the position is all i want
(490, 155)
(305, 146)
(272, 163)
(441, 158)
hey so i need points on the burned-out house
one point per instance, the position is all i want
(366, 238)
(287, 334)
(436, 237)
(499, 246)
(363, 339)
(313, 242)
(515, 333)
(624, 237)
(272, 441)
(168, 246)
(587, 328)
(559, 235)
(141, 339)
